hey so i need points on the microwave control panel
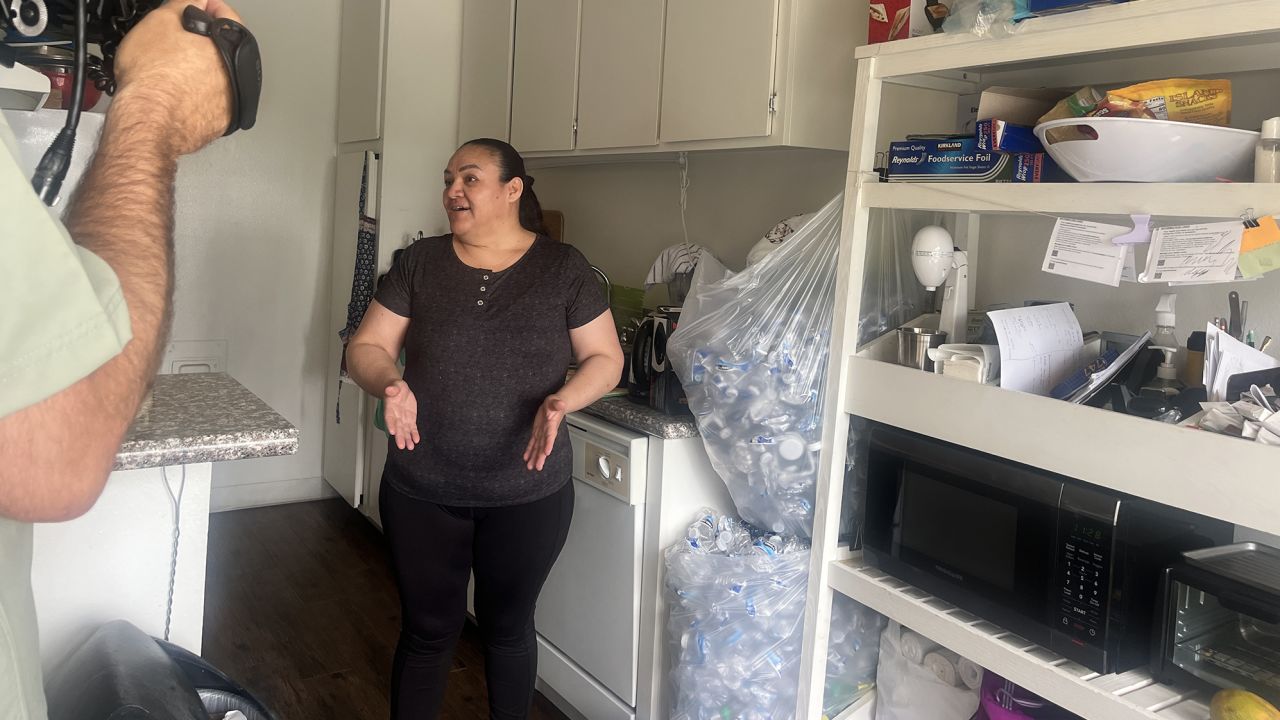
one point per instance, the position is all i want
(1084, 574)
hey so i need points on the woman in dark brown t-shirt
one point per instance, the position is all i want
(477, 475)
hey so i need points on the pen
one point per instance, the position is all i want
(1265, 342)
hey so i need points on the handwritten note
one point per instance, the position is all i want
(1084, 250)
(1203, 253)
(1039, 346)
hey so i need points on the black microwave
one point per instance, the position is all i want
(1068, 565)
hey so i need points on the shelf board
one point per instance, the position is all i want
(1141, 25)
(1223, 477)
(862, 709)
(1170, 199)
(1126, 696)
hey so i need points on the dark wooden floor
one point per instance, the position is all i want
(302, 610)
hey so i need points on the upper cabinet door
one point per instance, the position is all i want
(360, 71)
(484, 103)
(545, 86)
(717, 75)
(620, 73)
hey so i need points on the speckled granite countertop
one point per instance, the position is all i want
(204, 417)
(642, 418)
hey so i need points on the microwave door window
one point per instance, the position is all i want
(964, 535)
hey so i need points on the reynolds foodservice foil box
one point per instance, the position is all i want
(961, 160)
(898, 19)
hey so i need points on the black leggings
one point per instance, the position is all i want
(434, 549)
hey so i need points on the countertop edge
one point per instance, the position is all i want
(184, 451)
(640, 418)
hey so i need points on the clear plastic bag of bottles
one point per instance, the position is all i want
(753, 365)
(737, 597)
(853, 647)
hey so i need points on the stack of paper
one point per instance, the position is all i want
(1225, 357)
(1039, 346)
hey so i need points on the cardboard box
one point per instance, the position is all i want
(898, 19)
(958, 159)
(1021, 106)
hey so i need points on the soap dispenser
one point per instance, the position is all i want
(1165, 319)
(1166, 380)
(1163, 337)
(1156, 395)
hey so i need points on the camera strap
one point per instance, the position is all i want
(239, 50)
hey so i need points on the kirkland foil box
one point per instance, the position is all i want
(961, 160)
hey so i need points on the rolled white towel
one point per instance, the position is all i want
(970, 673)
(942, 663)
(915, 646)
(892, 633)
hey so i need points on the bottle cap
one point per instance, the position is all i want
(791, 447)
(1271, 129)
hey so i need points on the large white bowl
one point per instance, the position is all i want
(1138, 150)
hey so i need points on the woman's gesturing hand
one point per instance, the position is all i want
(401, 414)
(545, 426)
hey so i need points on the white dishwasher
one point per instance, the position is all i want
(588, 615)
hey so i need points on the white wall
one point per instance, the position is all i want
(252, 239)
(621, 216)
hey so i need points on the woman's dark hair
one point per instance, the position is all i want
(511, 165)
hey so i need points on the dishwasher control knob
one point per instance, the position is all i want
(605, 467)
(617, 474)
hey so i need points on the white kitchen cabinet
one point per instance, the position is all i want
(586, 73)
(545, 78)
(1221, 477)
(488, 39)
(620, 73)
(760, 73)
(718, 69)
(611, 77)
(360, 49)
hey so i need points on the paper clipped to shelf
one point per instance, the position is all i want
(1039, 346)
(1201, 253)
(1086, 251)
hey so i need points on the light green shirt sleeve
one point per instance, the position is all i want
(62, 313)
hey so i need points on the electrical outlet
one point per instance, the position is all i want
(194, 356)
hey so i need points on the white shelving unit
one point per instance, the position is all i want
(1127, 695)
(1221, 477)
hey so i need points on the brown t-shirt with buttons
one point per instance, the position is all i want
(482, 351)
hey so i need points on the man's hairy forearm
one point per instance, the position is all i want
(123, 212)
(60, 451)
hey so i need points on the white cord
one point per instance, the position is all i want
(684, 193)
(175, 502)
